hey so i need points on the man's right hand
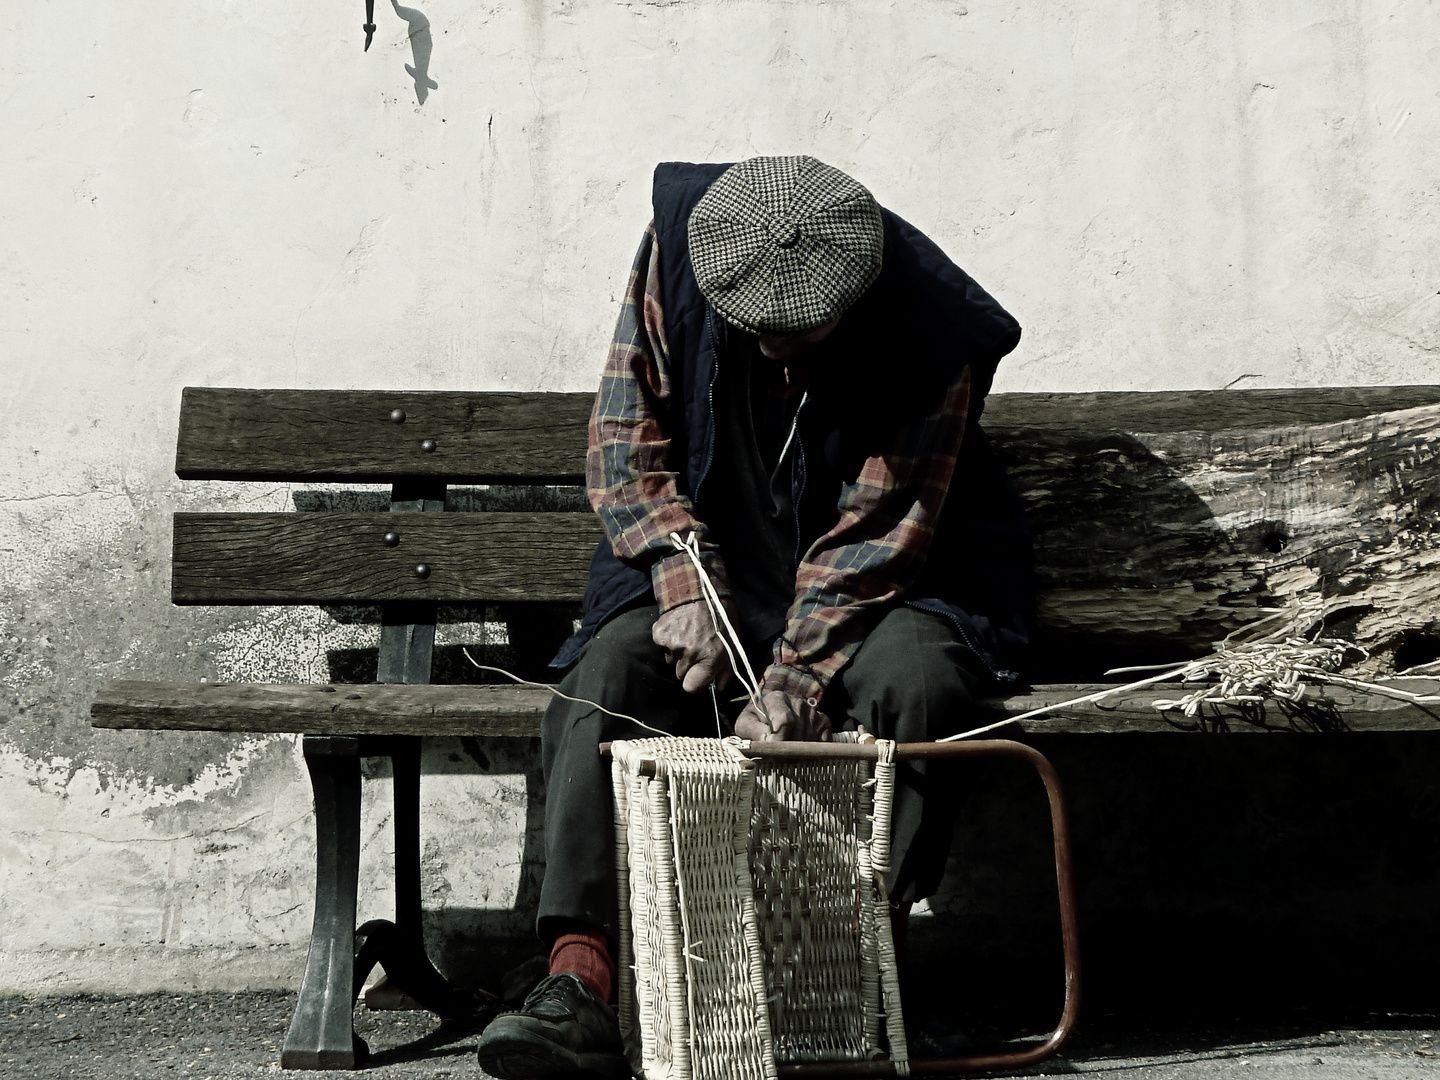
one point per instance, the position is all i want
(687, 634)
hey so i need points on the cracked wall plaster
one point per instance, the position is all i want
(1167, 196)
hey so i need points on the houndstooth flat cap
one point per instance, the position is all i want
(781, 245)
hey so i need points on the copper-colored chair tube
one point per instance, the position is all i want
(1064, 881)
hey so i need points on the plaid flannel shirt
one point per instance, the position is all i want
(872, 552)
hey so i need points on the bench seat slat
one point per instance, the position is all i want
(378, 709)
(319, 709)
(339, 558)
(348, 435)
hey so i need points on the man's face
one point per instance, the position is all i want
(790, 346)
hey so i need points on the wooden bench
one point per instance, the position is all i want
(1162, 522)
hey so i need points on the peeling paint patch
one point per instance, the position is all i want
(226, 862)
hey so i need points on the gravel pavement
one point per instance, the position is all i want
(232, 1036)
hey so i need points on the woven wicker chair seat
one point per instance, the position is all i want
(757, 925)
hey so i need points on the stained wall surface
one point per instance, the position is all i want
(232, 193)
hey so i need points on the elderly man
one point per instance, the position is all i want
(793, 390)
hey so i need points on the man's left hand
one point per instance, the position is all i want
(787, 718)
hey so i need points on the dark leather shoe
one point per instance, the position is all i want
(562, 1030)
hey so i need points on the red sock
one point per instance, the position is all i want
(583, 951)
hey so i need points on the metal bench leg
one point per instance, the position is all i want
(321, 1034)
(399, 946)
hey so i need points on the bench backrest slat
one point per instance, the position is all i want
(1167, 411)
(350, 435)
(340, 558)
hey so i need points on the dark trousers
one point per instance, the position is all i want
(912, 681)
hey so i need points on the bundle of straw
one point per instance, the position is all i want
(1248, 667)
(1254, 666)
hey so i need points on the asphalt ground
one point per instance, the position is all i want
(233, 1036)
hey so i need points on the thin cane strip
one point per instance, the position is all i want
(869, 954)
(830, 859)
(557, 692)
(671, 936)
(734, 647)
(653, 1004)
(677, 828)
(806, 880)
(652, 992)
(753, 954)
(885, 939)
(625, 989)
(706, 797)
(1044, 710)
(661, 1017)
(704, 789)
(1418, 670)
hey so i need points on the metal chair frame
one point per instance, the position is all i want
(1064, 881)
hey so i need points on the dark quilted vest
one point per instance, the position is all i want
(898, 347)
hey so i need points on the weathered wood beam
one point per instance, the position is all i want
(374, 436)
(322, 709)
(1200, 410)
(1155, 539)
(381, 709)
(338, 558)
(484, 437)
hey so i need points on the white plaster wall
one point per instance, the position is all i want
(230, 192)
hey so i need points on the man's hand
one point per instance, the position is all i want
(787, 718)
(688, 636)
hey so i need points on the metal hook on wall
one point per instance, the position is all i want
(369, 26)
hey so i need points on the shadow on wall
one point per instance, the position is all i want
(476, 946)
(422, 44)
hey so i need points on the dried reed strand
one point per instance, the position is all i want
(1249, 667)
